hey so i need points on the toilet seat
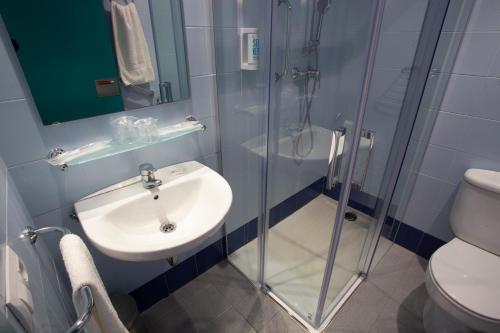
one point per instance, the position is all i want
(465, 281)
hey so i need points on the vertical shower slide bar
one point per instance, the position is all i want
(376, 24)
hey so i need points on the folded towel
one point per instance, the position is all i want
(82, 272)
(132, 52)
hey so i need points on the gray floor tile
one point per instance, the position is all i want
(361, 311)
(401, 274)
(396, 319)
(257, 309)
(232, 322)
(229, 282)
(282, 322)
(168, 315)
(207, 303)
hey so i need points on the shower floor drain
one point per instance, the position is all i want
(167, 227)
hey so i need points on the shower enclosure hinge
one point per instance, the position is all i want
(363, 275)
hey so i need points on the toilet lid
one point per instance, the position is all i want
(485, 179)
(470, 276)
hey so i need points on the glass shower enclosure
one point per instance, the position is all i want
(314, 113)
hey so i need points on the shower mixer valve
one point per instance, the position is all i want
(307, 74)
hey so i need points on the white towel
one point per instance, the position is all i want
(132, 52)
(82, 272)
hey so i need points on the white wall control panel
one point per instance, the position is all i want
(17, 289)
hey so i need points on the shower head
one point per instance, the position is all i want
(323, 5)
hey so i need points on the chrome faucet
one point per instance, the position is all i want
(148, 178)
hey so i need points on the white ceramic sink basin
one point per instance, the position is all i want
(125, 221)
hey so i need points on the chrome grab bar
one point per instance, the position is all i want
(333, 169)
(31, 235)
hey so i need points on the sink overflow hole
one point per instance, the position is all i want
(156, 197)
(167, 227)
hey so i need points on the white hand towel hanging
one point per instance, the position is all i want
(132, 52)
(82, 272)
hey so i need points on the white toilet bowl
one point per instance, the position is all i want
(463, 276)
(463, 282)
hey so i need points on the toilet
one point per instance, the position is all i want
(463, 276)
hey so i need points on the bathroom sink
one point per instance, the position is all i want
(128, 222)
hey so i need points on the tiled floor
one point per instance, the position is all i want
(222, 300)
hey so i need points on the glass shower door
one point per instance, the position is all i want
(318, 58)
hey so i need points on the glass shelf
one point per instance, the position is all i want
(102, 149)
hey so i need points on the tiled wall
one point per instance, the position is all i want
(467, 126)
(401, 27)
(53, 311)
(49, 193)
(242, 103)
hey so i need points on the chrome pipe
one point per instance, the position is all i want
(31, 234)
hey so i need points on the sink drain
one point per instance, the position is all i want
(167, 227)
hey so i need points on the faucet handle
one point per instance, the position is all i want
(146, 169)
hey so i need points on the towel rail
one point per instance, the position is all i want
(88, 306)
(31, 235)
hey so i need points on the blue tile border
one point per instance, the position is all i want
(210, 256)
(408, 237)
(428, 245)
(236, 239)
(150, 293)
(181, 274)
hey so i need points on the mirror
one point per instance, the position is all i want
(92, 57)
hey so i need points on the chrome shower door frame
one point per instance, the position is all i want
(375, 29)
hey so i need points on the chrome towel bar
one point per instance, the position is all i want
(31, 235)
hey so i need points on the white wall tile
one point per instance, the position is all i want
(203, 92)
(199, 43)
(403, 15)
(225, 13)
(227, 44)
(437, 161)
(484, 16)
(37, 186)
(20, 139)
(477, 52)
(197, 13)
(396, 50)
(463, 161)
(467, 134)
